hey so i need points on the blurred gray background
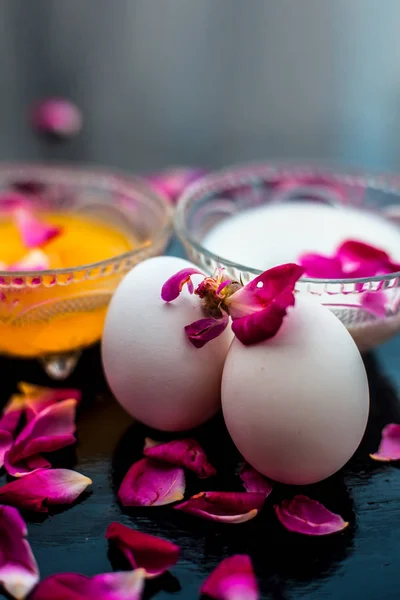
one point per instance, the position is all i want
(206, 81)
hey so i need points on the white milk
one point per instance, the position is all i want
(274, 234)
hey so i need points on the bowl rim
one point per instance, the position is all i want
(385, 181)
(121, 177)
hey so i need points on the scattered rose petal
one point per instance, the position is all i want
(233, 579)
(389, 448)
(37, 398)
(142, 550)
(320, 266)
(174, 285)
(152, 483)
(33, 231)
(204, 330)
(12, 413)
(125, 585)
(6, 442)
(253, 481)
(226, 507)
(183, 453)
(57, 117)
(309, 517)
(19, 572)
(172, 182)
(51, 429)
(41, 489)
(258, 309)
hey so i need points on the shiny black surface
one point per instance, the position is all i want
(361, 562)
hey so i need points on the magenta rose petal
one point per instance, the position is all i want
(57, 117)
(375, 303)
(37, 398)
(34, 232)
(183, 453)
(253, 481)
(142, 550)
(152, 483)
(174, 285)
(6, 442)
(12, 413)
(320, 266)
(125, 585)
(51, 429)
(225, 507)
(204, 330)
(389, 448)
(19, 572)
(233, 579)
(41, 489)
(308, 517)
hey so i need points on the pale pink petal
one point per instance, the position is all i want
(204, 330)
(183, 453)
(19, 572)
(226, 507)
(152, 483)
(57, 117)
(389, 448)
(51, 429)
(41, 489)
(320, 266)
(142, 550)
(6, 441)
(35, 260)
(125, 585)
(33, 231)
(174, 285)
(233, 579)
(37, 398)
(253, 481)
(308, 517)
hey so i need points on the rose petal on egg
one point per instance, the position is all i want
(174, 285)
(36, 260)
(308, 517)
(12, 413)
(389, 447)
(6, 442)
(19, 572)
(57, 117)
(183, 453)
(125, 585)
(233, 579)
(172, 182)
(33, 231)
(142, 550)
(320, 266)
(41, 489)
(225, 507)
(51, 429)
(253, 481)
(204, 330)
(37, 398)
(152, 483)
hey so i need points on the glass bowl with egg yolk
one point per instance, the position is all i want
(107, 223)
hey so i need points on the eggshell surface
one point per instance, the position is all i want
(154, 371)
(297, 405)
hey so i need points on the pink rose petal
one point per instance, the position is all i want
(174, 285)
(233, 579)
(142, 550)
(51, 429)
(12, 413)
(308, 517)
(58, 117)
(152, 483)
(204, 330)
(375, 303)
(37, 398)
(33, 231)
(389, 448)
(6, 442)
(35, 260)
(19, 572)
(172, 182)
(41, 489)
(253, 481)
(125, 585)
(226, 507)
(183, 453)
(320, 266)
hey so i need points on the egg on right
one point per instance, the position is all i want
(296, 406)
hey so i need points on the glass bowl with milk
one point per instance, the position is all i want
(247, 219)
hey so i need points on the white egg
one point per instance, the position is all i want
(296, 406)
(155, 373)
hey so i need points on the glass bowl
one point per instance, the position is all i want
(52, 315)
(225, 193)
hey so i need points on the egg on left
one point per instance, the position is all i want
(154, 371)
